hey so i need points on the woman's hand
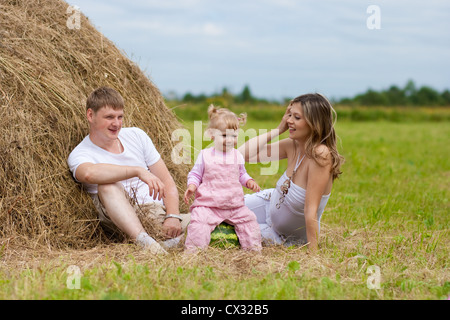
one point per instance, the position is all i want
(283, 126)
(258, 149)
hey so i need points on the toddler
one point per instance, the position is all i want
(216, 180)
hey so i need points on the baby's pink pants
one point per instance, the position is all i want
(205, 219)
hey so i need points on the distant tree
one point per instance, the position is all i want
(246, 95)
(395, 96)
(427, 96)
(446, 98)
(188, 97)
(410, 89)
(227, 94)
(371, 98)
(346, 101)
(225, 91)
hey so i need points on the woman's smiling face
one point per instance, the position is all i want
(298, 127)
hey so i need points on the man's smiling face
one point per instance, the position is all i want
(106, 123)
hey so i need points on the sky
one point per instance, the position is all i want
(280, 48)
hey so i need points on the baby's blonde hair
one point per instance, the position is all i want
(222, 119)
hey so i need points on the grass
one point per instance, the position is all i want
(389, 210)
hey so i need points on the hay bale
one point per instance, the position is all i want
(46, 72)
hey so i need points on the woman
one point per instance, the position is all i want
(290, 213)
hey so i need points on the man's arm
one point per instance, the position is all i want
(172, 226)
(103, 173)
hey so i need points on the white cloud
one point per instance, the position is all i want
(211, 29)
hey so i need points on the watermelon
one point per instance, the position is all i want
(224, 236)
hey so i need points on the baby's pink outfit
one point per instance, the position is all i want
(220, 198)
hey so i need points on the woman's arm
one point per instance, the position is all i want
(319, 175)
(258, 149)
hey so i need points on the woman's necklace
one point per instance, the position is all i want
(287, 183)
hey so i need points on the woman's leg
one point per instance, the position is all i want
(258, 203)
(269, 236)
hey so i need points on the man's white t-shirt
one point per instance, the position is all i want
(139, 150)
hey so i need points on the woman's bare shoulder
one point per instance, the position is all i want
(322, 154)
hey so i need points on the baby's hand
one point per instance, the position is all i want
(252, 185)
(189, 193)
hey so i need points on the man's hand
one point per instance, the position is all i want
(155, 185)
(189, 193)
(252, 185)
(172, 227)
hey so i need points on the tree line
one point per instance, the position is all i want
(409, 95)
(226, 98)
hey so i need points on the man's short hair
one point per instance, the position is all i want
(102, 97)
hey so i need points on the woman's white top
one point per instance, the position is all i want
(289, 219)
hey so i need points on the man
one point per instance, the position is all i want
(122, 170)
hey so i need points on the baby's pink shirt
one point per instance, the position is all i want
(195, 175)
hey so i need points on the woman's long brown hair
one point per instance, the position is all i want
(321, 117)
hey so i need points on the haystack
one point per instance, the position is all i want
(47, 70)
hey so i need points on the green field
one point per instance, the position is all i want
(384, 235)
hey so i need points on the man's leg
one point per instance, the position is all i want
(123, 215)
(152, 217)
(119, 209)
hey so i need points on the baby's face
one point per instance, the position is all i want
(225, 140)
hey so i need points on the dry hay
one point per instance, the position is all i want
(46, 72)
